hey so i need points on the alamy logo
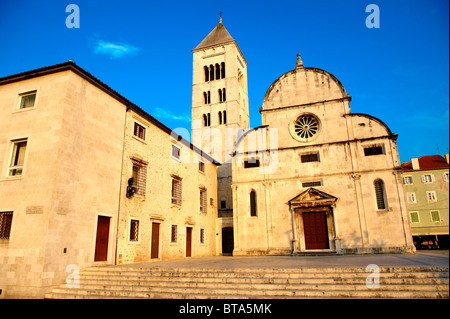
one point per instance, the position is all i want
(373, 19)
(73, 19)
(373, 280)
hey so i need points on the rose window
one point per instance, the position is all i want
(306, 126)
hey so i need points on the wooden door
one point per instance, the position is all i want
(188, 241)
(316, 230)
(101, 243)
(155, 241)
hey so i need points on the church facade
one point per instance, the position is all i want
(89, 178)
(314, 177)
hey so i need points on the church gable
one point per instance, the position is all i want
(312, 197)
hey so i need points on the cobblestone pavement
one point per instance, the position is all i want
(421, 258)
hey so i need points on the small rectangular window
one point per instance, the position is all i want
(201, 166)
(174, 234)
(223, 204)
(140, 178)
(17, 158)
(309, 158)
(202, 236)
(435, 217)
(414, 217)
(427, 178)
(407, 180)
(445, 177)
(5, 224)
(411, 197)
(27, 100)
(253, 162)
(431, 196)
(134, 230)
(139, 131)
(373, 150)
(176, 190)
(312, 184)
(176, 152)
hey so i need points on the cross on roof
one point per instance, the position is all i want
(220, 14)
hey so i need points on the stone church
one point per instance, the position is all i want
(313, 178)
(89, 178)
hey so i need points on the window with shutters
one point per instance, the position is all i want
(203, 201)
(18, 157)
(134, 230)
(5, 224)
(414, 217)
(380, 194)
(176, 190)
(445, 177)
(201, 166)
(253, 211)
(202, 236)
(435, 216)
(139, 131)
(140, 177)
(174, 234)
(176, 152)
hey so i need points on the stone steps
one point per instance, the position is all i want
(132, 282)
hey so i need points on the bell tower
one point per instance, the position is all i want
(219, 104)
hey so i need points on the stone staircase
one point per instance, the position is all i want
(132, 282)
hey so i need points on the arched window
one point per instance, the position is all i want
(205, 120)
(209, 119)
(224, 117)
(220, 95)
(209, 97)
(380, 194)
(211, 72)
(252, 203)
(217, 71)
(220, 117)
(206, 73)
(224, 96)
(222, 69)
(205, 97)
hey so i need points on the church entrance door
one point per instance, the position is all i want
(155, 241)
(316, 230)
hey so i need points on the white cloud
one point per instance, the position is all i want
(165, 114)
(114, 50)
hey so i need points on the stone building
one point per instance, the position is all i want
(316, 177)
(69, 145)
(426, 181)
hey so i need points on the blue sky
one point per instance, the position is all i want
(142, 49)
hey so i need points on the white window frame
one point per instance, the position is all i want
(407, 177)
(433, 194)
(425, 179)
(411, 197)
(13, 143)
(445, 177)
(19, 97)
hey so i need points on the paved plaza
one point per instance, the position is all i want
(420, 259)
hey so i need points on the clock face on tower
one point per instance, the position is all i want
(304, 127)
